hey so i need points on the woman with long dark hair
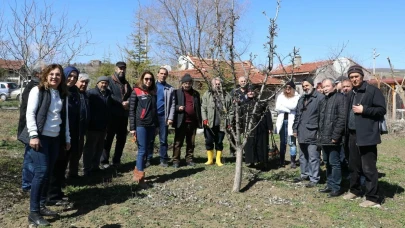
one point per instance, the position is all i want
(46, 130)
(143, 121)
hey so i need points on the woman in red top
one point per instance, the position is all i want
(143, 120)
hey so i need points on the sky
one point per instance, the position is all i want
(317, 27)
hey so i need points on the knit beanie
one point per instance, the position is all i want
(355, 69)
(291, 83)
(102, 78)
(186, 78)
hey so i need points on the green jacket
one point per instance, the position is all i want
(208, 109)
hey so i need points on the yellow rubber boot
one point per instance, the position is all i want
(210, 155)
(218, 159)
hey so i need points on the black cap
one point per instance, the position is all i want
(309, 80)
(355, 69)
(121, 64)
(186, 78)
(291, 83)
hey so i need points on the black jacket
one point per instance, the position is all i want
(142, 110)
(306, 118)
(374, 109)
(74, 110)
(120, 91)
(100, 109)
(24, 99)
(256, 147)
(179, 100)
(332, 117)
(261, 115)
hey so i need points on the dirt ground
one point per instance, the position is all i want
(200, 196)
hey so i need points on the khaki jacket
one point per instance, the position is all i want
(208, 109)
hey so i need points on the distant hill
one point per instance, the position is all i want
(388, 70)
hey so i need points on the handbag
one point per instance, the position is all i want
(382, 124)
(273, 149)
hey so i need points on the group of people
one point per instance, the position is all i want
(341, 119)
(61, 120)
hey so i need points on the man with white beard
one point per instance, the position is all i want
(305, 129)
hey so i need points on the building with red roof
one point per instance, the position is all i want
(10, 69)
(197, 67)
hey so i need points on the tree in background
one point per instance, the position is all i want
(183, 27)
(36, 32)
(137, 55)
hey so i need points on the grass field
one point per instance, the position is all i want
(201, 196)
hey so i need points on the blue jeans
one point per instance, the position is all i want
(163, 132)
(144, 136)
(331, 156)
(286, 139)
(27, 171)
(43, 161)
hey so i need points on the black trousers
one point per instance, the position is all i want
(363, 161)
(116, 127)
(213, 138)
(57, 176)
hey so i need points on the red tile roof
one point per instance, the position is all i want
(388, 80)
(303, 68)
(11, 64)
(241, 69)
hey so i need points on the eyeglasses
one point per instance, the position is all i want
(147, 79)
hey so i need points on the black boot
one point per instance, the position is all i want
(282, 161)
(37, 219)
(44, 211)
(293, 164)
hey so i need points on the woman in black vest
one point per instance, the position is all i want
(45, 132)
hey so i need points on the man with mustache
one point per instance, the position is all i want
(305, 129)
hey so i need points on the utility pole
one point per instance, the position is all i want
(375, 55)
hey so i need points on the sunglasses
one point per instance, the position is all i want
(147, 79)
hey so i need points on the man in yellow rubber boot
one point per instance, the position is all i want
(214, 110)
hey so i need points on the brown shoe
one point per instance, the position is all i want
(139, 176)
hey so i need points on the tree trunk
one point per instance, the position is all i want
(238, 171)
